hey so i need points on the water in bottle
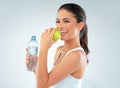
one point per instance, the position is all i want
(32, 51)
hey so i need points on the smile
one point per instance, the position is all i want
(63, 32)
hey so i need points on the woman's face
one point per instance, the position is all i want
(67, 23)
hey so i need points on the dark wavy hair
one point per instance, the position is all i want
(80, 15)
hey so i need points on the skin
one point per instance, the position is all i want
(73, 63)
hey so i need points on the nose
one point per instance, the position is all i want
(60, 26)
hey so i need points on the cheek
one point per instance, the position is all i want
(74, 30)
(70, 27)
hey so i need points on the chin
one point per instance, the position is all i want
(64, 39)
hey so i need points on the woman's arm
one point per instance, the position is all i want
(41, 70)
(40, 74)
(69, 64)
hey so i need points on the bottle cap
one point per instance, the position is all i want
(33, 38)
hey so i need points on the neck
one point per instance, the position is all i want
(70, 44)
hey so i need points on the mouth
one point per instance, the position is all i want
(63, 32)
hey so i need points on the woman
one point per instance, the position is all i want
(70, 59)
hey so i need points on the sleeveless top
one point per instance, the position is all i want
(69, 81)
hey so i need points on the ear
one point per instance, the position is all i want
(80, 26)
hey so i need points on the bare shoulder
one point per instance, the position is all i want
(70, 63)
(78, 57)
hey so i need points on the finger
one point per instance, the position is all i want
(45, 31)
(26, 62)
(49, 30)
(36, 58)
(28, 56)
(26, 49)
(52, 31)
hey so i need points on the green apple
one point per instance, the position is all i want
(56, 35)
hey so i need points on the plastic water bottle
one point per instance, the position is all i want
(32, 46)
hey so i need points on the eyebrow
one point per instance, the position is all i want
(63, 19)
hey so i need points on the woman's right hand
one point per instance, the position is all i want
(30, 61)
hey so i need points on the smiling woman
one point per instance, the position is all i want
(70, 59)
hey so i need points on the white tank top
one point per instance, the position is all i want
(70, 81)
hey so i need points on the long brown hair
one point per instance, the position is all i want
(80, 15)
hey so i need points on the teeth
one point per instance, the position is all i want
(63, 31)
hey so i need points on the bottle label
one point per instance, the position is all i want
(33, 51)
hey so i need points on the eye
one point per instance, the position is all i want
(57, 21)
(66, 21)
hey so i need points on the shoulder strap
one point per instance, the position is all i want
(56, 60)
(75, 49)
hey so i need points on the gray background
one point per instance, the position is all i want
(19, 19)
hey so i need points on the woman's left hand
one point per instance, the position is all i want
(46, 39)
